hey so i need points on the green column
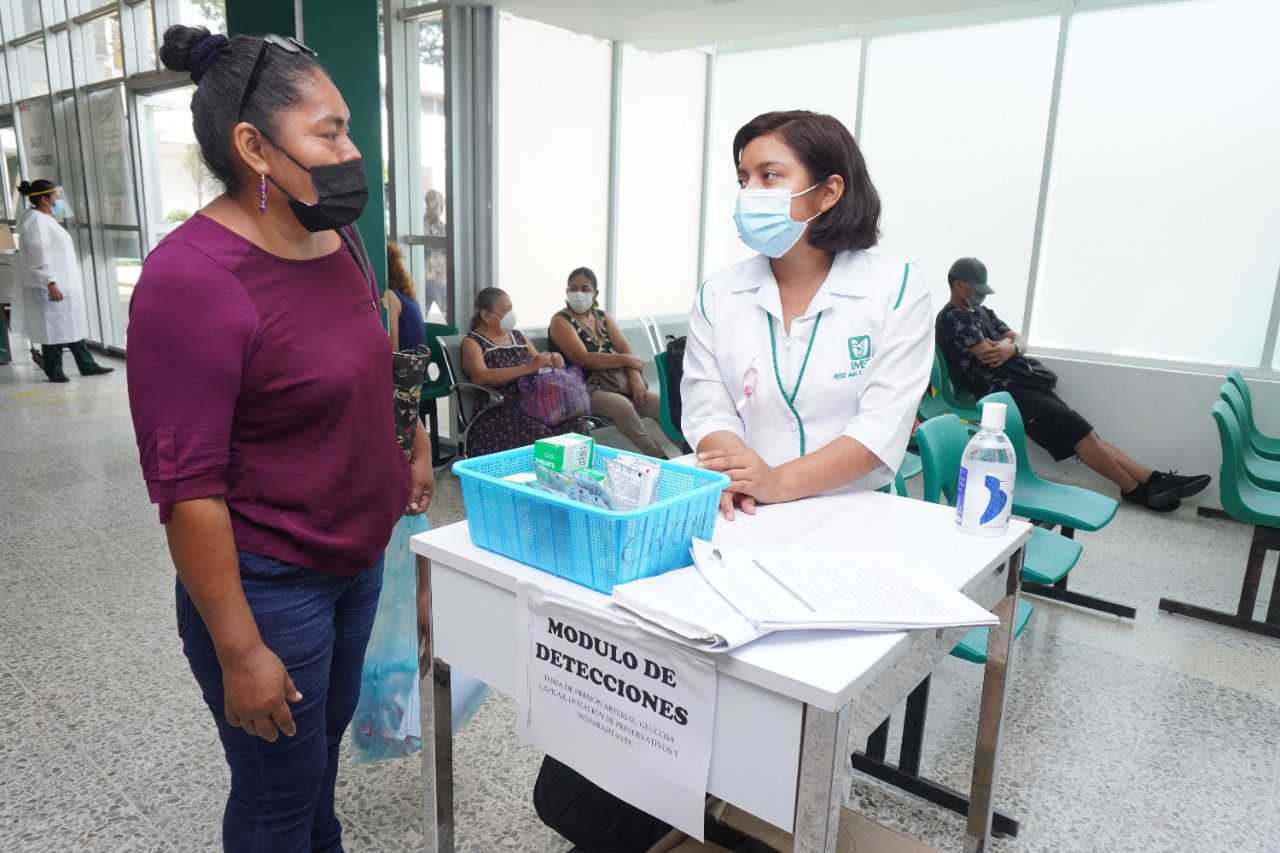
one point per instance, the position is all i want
(345, 36)
(257, 17)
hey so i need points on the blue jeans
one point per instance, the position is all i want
(281, 797)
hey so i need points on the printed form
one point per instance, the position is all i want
(777, 590)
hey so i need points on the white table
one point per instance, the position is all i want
(785, 704)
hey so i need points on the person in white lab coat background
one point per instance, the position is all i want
(53, 307)
(805, 364)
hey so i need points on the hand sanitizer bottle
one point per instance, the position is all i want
(984, 496)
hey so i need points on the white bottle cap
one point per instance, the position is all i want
(993, 415)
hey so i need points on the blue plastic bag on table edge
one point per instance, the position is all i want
(387, 721)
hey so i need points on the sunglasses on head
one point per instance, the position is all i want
(288, 44)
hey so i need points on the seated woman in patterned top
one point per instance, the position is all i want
(496, 354)
(589, 338)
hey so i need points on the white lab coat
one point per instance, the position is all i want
(870, 332)
(47, 253)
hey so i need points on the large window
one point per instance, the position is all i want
(554, 113)
(33, 74)
(425, 227)
(660, 180)
(110, 133)
(1164, 201)
(954, 125)
(106, 48)
(39, 144)
(204, 13)
(9, 169)
(65, 67)
(26, 16)
(820, 77)
(66, 119)
(116, 215)
(144, 22)
(175, 180)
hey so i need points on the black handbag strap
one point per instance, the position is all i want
(355, 245)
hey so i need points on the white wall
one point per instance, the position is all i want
(1158, 416)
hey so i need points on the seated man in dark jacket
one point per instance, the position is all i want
(988, 356)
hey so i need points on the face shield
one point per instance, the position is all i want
(61, 207)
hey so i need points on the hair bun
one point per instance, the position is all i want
(24, 188)
(191, 49)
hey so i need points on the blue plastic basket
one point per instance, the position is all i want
(594, 547)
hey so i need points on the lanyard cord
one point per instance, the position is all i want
(790, 399)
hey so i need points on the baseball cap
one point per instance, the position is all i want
(973, 271)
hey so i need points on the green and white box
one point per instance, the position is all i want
(564, 453)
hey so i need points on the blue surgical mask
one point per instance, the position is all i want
(764, 220)
(59, 209)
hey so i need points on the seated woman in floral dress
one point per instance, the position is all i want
(496, 354)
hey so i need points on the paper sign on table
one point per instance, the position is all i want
(630, 712)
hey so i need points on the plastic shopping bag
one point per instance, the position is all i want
(388, 717)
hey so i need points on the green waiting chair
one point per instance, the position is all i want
(932, 404)
(1260, 469)
(1048, 556)
(1048, 504)
(956, 398)
(1246, 502)
(670, 428)
(436, 387)
(910, 468)
(1268, 446)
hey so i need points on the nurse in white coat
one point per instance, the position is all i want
(805, 364)
(53, 307)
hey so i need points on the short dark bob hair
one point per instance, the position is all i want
(825, 148)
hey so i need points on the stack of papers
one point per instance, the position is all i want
(682, 606)
(733, 595)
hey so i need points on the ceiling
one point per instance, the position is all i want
(663, 25)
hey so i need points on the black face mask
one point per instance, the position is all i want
(341, 194)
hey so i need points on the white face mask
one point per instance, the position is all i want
(764, 220)
(508, 321)
(579, 301)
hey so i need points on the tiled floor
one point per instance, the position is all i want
(1161, 734)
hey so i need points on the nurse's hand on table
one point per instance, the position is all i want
(751, 479)
(730, 499)
(423, 484)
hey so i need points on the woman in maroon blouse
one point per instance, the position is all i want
(261, 394)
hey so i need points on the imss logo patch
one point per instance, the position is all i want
(860, 352)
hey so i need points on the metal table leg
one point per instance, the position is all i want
(994, 684)
(435, 696)
(437, 758)
(824, 780)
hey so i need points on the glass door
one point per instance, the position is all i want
(422, 226)
(115, 228)
(175, 181)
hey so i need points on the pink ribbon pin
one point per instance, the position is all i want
(748, 387)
